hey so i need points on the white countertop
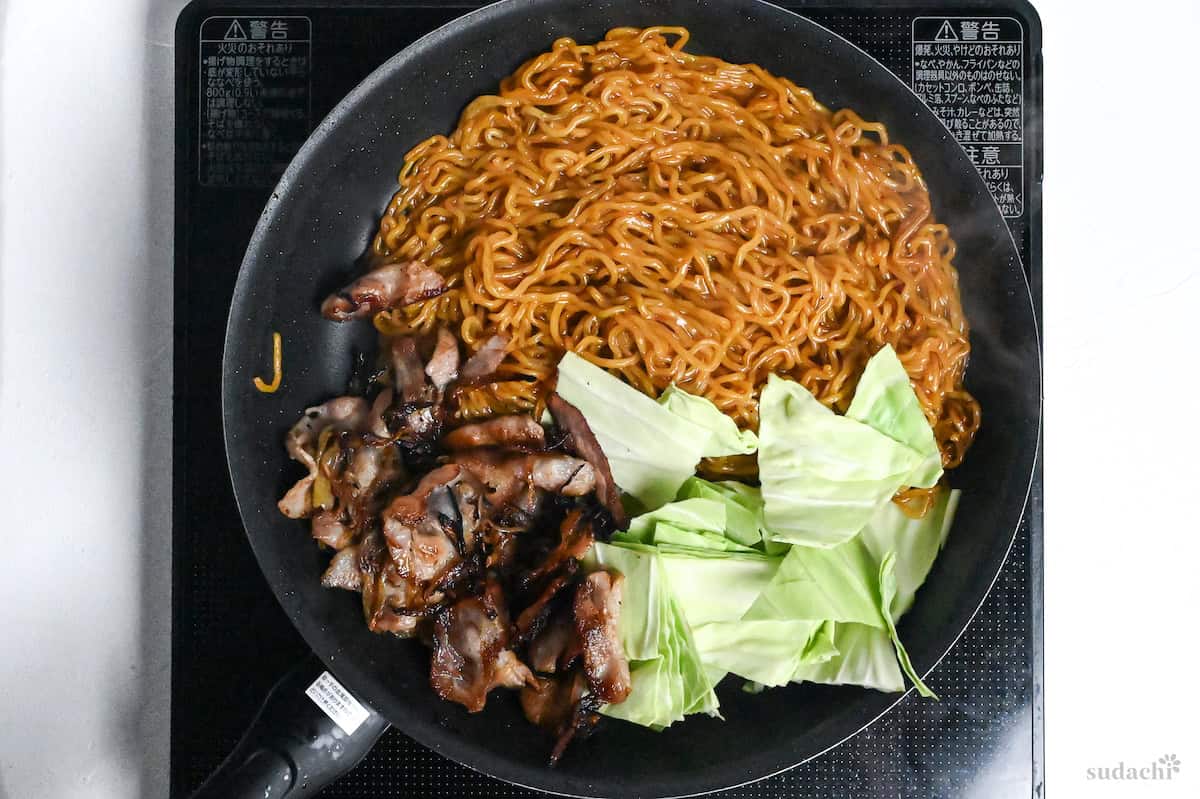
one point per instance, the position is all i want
(85, 310)
(85, 247)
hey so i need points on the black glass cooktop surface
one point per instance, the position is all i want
(252, 82)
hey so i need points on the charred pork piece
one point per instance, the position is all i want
(549, 702)
(442, 368)
(343, 570)
(392, 604)
(348, 470)
(583, 720)
(470, 650)
(486, 360)
(415, 429)
(461, 572)
(390, 286)
(302, 442)
(507, 474)
(512, 432)
(557, 644)
(330, 530)
(574, 540)
(430, 545)
(381, 405)
(511, 672)
(502, 534)
(366, 465)
(341, 413)
(354, 471)
(468, 512)
(421, 541)
(368, 556)
(408, 373)
(561, 474)
(533, 618)
(597, 609)
(433, 527)
(372, 465)
(582, 441)
(411, 411)
(297, 502)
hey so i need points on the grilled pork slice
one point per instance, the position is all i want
(597, 609)
(389, 286)
(582, 441)
(470, 650)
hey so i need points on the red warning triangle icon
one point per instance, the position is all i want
(235, 33)
(945, 33)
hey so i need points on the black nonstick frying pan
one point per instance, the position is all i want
(319, 221)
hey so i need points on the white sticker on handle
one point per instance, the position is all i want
(337, 703)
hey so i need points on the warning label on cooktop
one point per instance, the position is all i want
(255, 109)
(970, 71)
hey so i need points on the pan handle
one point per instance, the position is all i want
(293, 747)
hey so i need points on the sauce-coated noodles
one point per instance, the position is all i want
(677, 218)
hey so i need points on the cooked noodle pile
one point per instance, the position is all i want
(679, 219)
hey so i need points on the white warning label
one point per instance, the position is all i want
(254, 98)
(970, 71)
(337, 702)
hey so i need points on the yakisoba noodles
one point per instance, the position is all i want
(680, 219)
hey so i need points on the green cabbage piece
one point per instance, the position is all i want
(725, 439)
(650, 449)
(824, 615)
(667, 677)
(766, 651)
(672, 537)
(867, 655)
(864, 656)
(885, 400)
(823, 475)
(915, 542)
(887, 593)
(842, 584)
(694, 523)
(823, 584)
(715, 592)
(801, 580)
(697, 513)
(718, 587)
(743, 507)
(652, 446)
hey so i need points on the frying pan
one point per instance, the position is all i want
(320, 219)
